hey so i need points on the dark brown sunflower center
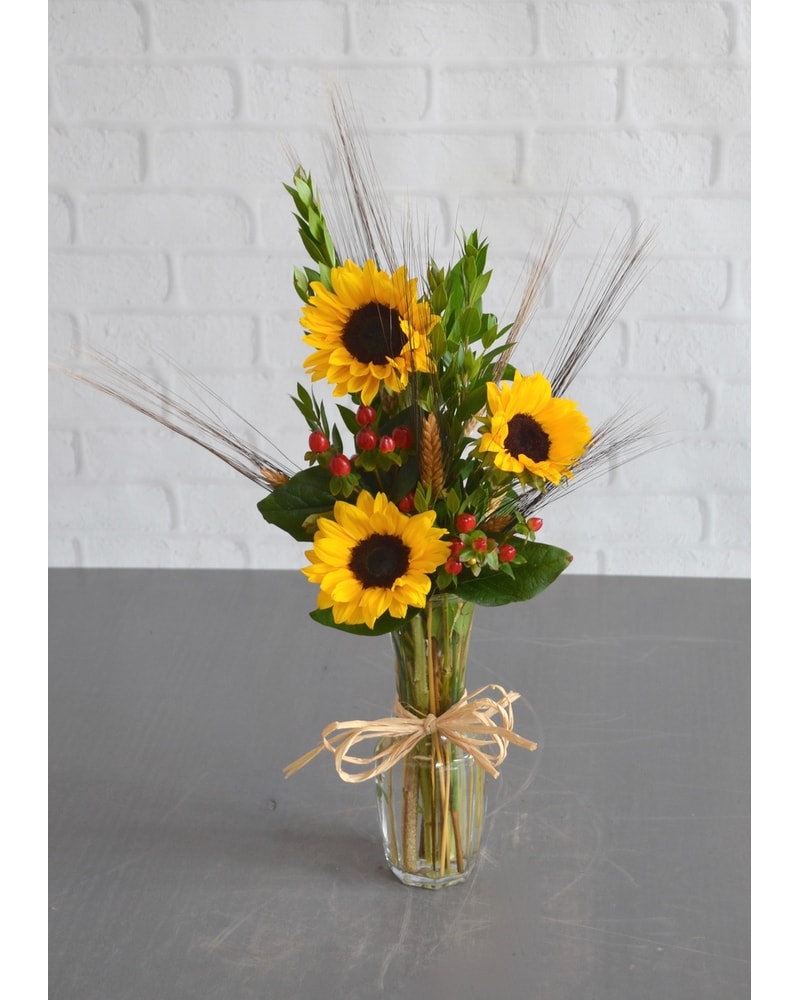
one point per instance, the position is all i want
(372, 334)
(377, 561)
(526, 437)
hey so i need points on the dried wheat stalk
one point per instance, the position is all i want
(431, 456)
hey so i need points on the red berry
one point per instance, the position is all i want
(456, 546)
(506, 553)
(480, 544)
(535, 523)
(317, 442)
(407, 503)
(339, 465)
(453, 566)
(366, 439)
(465, 522)
(386, 443)
(365, 415)
(403, 438)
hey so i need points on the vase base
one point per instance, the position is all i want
(423, 880)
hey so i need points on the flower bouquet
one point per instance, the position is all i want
(420, 495)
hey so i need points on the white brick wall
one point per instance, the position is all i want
(169, 227)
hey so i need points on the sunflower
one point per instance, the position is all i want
(369, 330)
(371, 558)
(529, 432)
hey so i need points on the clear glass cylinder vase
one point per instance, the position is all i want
(431, 804)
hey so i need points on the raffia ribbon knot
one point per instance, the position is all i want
(469, 724)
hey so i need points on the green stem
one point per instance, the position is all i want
(431, 653)
(410, 825)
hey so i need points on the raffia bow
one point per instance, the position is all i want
(468, 724)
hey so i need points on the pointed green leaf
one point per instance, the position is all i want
(544, 564)
(407, 478)
(298, 201)
(349, 418)
(385, 624)
(439, 299)
(470, 324)
(301, 283)
(311, 247)
(306, 494)
(478, 287)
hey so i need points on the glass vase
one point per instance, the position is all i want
(431, 804)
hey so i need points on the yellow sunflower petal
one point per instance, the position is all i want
(347, 327)
(370, 559)
(526, 431)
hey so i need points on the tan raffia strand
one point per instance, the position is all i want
(468, 724)
(431, 459)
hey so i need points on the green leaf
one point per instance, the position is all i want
(301, 283)
(407, 477)
(368, 460)
(311, 247)
(475, 401)
(349, 418)
(439, 299)
(470, 324)
(544, 564)
(383, 625)
(303, 394)
(304, 191)
(330, 251)
(478, 287)
(297, 199)
(316, 226)
(306, 494)
(438, 340)
(488, 337)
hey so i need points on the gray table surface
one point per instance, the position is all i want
(184, 865)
